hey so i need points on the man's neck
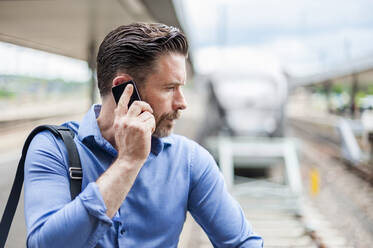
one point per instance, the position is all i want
(105, 122)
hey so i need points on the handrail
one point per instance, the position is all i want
(227, 149)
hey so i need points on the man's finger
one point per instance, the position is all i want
(150, 123)
(144, 116)
(125, 98)
(138, 107)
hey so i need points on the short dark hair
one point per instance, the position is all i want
(133, 49)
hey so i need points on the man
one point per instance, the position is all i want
(138, 179)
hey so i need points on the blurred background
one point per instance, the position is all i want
(280, 92)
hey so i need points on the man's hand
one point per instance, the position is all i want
(133, 128)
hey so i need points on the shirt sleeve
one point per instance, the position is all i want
(52, 219)
(210, 204)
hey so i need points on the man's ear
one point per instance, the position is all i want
(120, 78)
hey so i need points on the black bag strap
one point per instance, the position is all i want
(75, 167)
(75, 172)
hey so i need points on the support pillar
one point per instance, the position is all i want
(226, 161)
(354, 89)
(91, 48)
(92, 70)
(327, 87)
(370, 139)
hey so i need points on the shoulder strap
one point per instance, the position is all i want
(75, 167)
(75, 172)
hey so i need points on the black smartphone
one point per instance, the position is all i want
(118, 91)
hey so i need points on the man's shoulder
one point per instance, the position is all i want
(72, 125)
(200, 161)
(48, 151)
(180, 140)
(47, 140)
(189, 146)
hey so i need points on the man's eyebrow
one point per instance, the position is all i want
(173, 84)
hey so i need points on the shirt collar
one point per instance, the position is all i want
(168, 140)
(88, 126)
(88, 130)
(158, 144)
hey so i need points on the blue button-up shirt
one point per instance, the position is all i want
(178, 176)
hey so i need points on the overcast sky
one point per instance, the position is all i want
(304, 35)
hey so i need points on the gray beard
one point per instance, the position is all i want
(162, 129)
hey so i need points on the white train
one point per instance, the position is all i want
(247, 94)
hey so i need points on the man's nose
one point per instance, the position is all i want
(179, 101)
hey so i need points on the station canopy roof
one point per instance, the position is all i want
(342, 73)
(73, 27)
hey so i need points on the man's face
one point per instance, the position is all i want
(163, 91)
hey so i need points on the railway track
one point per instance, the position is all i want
(344, 198)
(328, 142)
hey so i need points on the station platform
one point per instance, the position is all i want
(280, 219)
